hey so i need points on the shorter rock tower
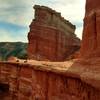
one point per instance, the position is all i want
(51, 37)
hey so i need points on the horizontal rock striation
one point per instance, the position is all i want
(33, 80)
(51, 37)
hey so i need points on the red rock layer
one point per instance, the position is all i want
(91, 33)
(49, 81)
(51, 37)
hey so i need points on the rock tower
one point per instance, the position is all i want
(51, 37)
(91, 33)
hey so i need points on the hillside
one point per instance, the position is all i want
(17, 49)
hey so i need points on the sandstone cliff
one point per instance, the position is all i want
(91, 33)
(36, 80)
(51, 37)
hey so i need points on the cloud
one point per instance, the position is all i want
(79, 32)
(16, 12)
(12, 32)
(9, 36)
(15, 16)
(11, 26)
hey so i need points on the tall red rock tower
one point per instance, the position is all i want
(51, 37)
(91, 32)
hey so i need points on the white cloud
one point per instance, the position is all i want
(21, 12)
(5, 36)
(8, 37)
(16, 13)
(79, 32)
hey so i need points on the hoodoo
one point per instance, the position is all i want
(51, 37)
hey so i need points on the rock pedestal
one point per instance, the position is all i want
(51, 37)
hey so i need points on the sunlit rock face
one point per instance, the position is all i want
(51, 37)
(42, 80)
(91, 33)
(92, 5)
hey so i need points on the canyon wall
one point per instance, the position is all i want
(51, 37)
(91, 32)
(48, 81)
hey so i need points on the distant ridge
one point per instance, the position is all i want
(17, 49)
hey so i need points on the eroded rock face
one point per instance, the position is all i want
(48, 81)
(51, 37)
(91, 33)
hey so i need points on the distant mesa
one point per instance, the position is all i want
(51, 37)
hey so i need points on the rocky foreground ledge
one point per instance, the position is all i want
(86, 70)
(72, 80)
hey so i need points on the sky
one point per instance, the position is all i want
(16, 16)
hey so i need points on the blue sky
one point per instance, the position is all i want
(16, 16)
